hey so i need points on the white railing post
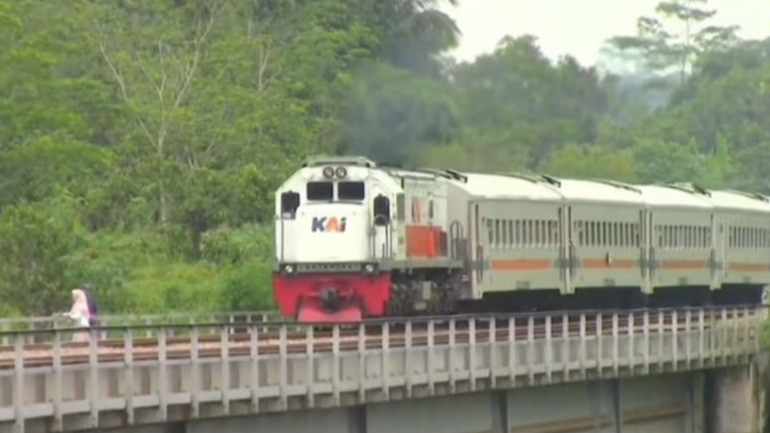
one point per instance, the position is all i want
(310, 371)
(492, 352)
(512, 353)
(531, 349)
(661, 335)
(472, 351)
(254, 359)
(362, 363)
(18, 382)
(565, 358)
(723, 336)
(93, 379)
(385, 344)
(688, 338)
(58, 382)
(582, 355)
(195, 373)
(408, 358)
(701, 338)
(431, 357)
(128, 375)
(646, 339)
(336, 364)
(631, 353)
(548, 348)
(283, 361)
(675, 340)
(599, 345)
(615, 344)
(162, 374)
(224, 344)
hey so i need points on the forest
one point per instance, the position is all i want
(141, 140)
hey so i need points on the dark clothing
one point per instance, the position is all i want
(93, 308)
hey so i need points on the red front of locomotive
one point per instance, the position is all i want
(331, 296)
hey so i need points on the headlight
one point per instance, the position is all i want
(328, 172)
(341, 172)
(288, 269)
(369, 268)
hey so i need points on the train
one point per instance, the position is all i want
(355, 240)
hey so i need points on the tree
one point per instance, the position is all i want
(154, 76)
(662, 49)
(532, 107)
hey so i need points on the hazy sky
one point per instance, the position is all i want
(579, 27)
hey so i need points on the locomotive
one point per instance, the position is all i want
(355, 240)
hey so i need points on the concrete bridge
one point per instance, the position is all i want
(662, 371)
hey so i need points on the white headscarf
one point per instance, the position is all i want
(79, 311)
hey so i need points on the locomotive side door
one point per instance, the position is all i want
(644, 236)
(382, 229)
(476, 247)
(718, 250)
(568, 251)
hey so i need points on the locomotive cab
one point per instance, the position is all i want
(333, 229)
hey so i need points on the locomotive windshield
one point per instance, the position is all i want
(346, 191)
(320, 191)
(350, 190)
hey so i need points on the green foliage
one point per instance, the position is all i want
(142, 141)
(661, 47)
(36, 239)
(248, 288)
(592, 162)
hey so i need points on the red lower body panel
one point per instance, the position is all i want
(342, 297)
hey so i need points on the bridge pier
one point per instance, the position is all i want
(736, 399)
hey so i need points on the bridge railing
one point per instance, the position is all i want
(148, 321)
(217, 369)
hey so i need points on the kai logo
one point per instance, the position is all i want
(329, 224)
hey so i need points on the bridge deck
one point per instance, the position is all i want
(198, 371)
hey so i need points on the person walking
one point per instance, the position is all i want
(93, 307)
(80, 315)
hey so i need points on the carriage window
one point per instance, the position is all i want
(504, 236)
(350, 190)
(320, 190)
(289, 204)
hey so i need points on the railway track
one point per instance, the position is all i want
(265, 338)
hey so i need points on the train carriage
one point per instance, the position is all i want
(514, 236)
(603, 219)
(679, 250)
(743, 241)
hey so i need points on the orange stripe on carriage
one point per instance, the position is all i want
(521, 264)
(748, 267)
(684, 264)
(613, 264)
